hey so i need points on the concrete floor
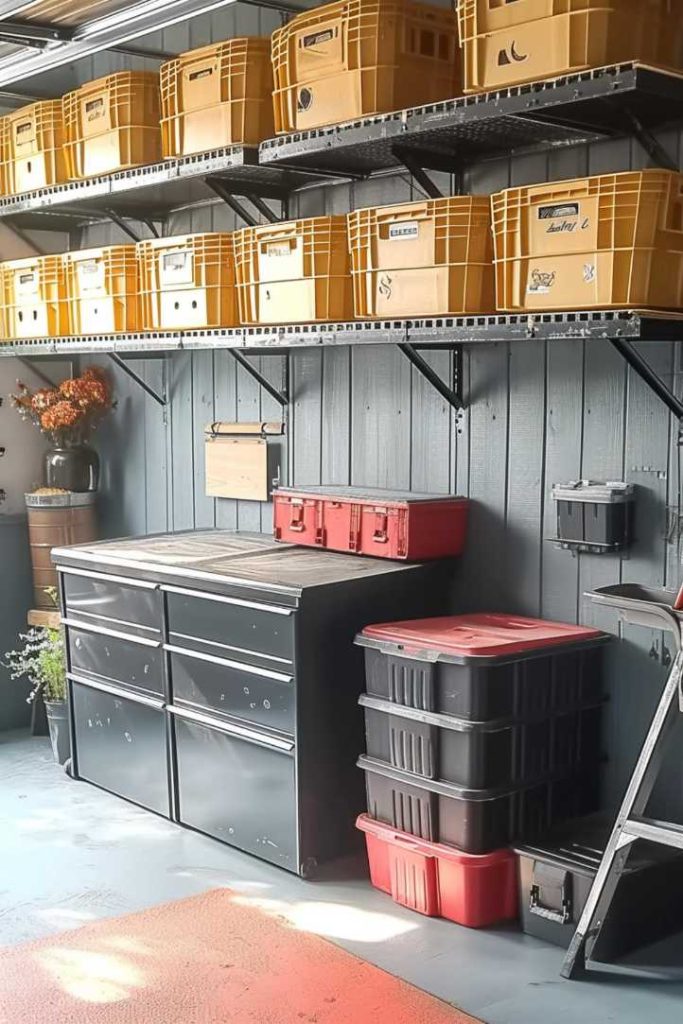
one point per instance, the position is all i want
(70, 853)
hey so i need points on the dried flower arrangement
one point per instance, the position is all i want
(70, 410)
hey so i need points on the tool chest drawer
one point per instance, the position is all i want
(216, 686)
(133, 662)
(227, 626)
(238, 785)
(95, 597)
(121, 743)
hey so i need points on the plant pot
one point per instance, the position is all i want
(57, 719)
(73, 467)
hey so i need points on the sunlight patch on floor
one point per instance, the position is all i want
(333, 920)
(92, 977)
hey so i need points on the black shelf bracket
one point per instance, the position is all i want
(641, 366)
(118, 361)
(414, 165)
(282, 396)
(650, 143)
(222, 190)
(453, 394)
(115, 218)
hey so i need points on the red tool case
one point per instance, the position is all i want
(438, 881)
(384, 524)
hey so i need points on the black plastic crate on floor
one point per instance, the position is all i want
(475, 820)
(480, 755)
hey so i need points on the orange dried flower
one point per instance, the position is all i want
(60, 416)
(44, 398)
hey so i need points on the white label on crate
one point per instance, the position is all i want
(316, 38)
(90, 274)
(278, 249)
(176, 266)
(26, 282)
(540, 282)
(194, 76)
(94, 109)
(23, 129)
(564, 218)
(404, 229)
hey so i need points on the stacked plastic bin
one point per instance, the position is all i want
(481, 730)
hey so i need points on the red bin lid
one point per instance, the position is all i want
(484, 635)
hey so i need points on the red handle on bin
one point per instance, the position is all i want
(678, 603)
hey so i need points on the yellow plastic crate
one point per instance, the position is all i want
(103, 290)
(352, 58)
(112, 123)
(506, 43)
(4, 157)
(614, 240)
(188, 282)
(216, 96)
(295, 272)
(34, 293)
(35, 147)
(423, 259)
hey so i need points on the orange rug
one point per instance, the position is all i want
(211, 959)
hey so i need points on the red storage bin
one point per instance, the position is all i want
(384, 524)
(436, 880)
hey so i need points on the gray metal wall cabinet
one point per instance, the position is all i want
(252, 732)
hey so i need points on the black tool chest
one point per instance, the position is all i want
(213, 679)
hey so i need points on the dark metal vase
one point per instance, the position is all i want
(57, 720)
(73, 467)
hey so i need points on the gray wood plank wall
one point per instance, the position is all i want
(537, 413)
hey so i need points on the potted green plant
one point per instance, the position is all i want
(40, 659)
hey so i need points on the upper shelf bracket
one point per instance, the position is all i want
(641, 366)
(282, 396)
(453, 394)
(161, 400)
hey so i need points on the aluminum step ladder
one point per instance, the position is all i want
(655, 610)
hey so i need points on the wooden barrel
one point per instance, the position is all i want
(56, 520)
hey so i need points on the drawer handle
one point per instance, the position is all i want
(66, 570)
(218, 599)
(232, 729)
(115, 633)
(240, 666)
(117, 691)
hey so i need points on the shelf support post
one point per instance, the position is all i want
(641, 366)
(281, 397)
(120, 223)
(414, 167)
(118, 361)
(453, 395)
(650, 143)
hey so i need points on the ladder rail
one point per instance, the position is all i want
(621, 841)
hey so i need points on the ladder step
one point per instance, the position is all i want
(666, 833)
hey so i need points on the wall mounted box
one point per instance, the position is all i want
(242, 459)
(383, 524)
(594, 514)
(557, 870)
(484, 667)
(256, 732)
(436, 880)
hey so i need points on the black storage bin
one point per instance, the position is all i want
(474, 820)
(597, 514)
(423, 673)
(555, 877)
(480, 755)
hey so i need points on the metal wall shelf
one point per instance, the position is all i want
(558, 112)
(442, 332)
(153, 190)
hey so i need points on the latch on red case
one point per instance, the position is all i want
(296, 517)
(381, 536)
